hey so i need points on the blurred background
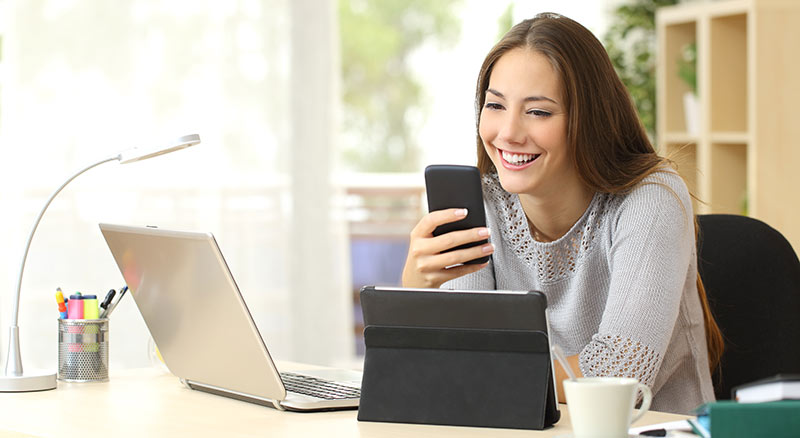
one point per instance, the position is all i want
(316, 119)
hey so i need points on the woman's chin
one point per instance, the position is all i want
(514, 184)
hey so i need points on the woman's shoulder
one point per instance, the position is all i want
(665, 176)
(661, 196)
(662, 189)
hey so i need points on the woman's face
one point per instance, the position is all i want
(523, 125)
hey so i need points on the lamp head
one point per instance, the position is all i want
(137, 154)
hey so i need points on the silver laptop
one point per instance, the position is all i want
(202, 327)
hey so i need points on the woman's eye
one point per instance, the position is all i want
(539, 113)
(494, 106)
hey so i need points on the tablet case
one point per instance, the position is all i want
(458, 376)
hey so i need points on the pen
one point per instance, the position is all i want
(106, 302)
(62, 307)
(107, 312)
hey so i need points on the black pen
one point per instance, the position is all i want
(106, 302)
(115, 303)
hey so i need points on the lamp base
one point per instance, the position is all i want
(35, 380)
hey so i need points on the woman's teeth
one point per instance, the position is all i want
(518, 158)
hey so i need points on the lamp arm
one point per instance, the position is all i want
(14, 362)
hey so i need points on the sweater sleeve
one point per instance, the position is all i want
(652, 245)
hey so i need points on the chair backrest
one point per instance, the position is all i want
(752, 279)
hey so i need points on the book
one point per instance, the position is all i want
(730, 419)
(778, 387)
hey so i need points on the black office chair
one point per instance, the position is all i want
(752, 279)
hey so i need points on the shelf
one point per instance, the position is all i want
(745, 154)
(717, 137)
(680, 137)
(730, 137)
(688, 12)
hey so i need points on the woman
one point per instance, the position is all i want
(583, 209)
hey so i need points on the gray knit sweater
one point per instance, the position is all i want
(620, 285)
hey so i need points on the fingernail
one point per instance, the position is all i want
(488, 248)
(483, 232)
(461, 212)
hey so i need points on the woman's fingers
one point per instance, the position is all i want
(430, 221)
(447, 241)
(453, 258)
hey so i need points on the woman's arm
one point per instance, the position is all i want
(651, 254)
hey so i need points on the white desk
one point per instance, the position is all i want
(151, 403)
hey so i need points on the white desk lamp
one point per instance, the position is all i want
(14, 380)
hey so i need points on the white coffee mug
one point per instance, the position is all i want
(602, 407)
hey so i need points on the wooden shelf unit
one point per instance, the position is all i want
(746, 154)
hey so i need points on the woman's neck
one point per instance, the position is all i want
(549, 218)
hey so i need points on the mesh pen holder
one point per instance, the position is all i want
(83, 350)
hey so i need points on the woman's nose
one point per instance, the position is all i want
(511, 130)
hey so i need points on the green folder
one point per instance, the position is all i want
(730, 419)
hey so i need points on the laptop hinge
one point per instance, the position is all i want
(211, 389)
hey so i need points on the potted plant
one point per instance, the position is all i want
(687, 71)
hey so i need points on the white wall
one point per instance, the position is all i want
(83, 79)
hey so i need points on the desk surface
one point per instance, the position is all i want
(150, 402)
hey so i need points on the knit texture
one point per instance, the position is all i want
(620, 285)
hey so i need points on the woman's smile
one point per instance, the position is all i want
(516, 160)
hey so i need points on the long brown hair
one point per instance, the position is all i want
(607, 141)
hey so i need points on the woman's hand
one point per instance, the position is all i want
(427, 264)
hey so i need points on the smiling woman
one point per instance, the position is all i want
(583, 209)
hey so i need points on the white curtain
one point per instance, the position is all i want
(257, 79)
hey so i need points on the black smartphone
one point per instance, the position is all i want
(453, 186)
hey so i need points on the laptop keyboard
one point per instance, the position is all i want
(320, 388)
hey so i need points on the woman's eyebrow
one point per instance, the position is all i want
(527, 99)
(538, 98)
